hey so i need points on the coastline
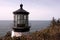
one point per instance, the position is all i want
(52, 32)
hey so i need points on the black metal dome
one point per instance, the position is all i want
(21, 10)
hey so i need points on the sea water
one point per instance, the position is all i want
(6, 25)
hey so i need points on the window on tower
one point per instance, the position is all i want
(15, 17)
(18, 17)
(24, 16)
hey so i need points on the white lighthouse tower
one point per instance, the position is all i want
(21, 23)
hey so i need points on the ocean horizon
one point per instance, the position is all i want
(36, 25)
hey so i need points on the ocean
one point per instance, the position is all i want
(6, 25)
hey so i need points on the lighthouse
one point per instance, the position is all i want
(21, 23)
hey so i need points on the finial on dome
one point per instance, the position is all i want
(21, 6)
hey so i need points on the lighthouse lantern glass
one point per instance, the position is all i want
(25, 16)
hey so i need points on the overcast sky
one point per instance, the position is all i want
(39, 9)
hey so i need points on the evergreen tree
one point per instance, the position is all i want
(58, 22)
(53, 22)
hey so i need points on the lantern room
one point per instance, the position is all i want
(21, 19)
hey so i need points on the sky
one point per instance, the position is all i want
(39, 9)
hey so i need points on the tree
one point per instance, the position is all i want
(53, 22)
(58, 22)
